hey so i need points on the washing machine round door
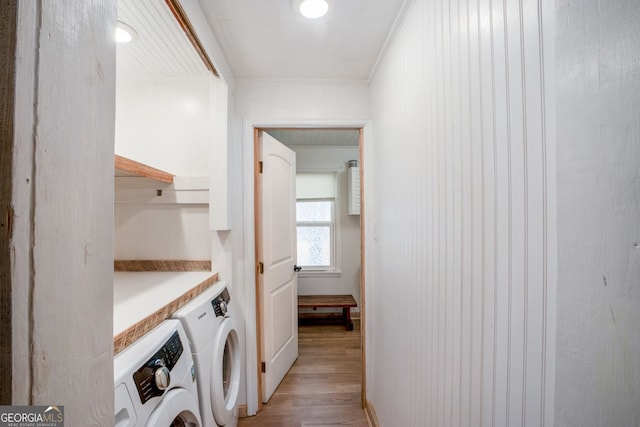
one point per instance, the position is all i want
(178, 408)
(225, 373)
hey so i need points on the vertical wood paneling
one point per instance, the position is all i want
(455, 215)
(598, 220)
(461, 167)
(466, 221)
(9, 16)
(488, 249)
(63, 251)
(432, 162)
(502, 203)
(476, 135)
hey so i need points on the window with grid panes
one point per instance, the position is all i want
(316, 221)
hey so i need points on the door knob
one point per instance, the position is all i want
(296, 268)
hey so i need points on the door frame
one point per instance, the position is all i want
(251, 317)
(9, 31)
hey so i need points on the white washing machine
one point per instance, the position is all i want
(216, 352)
(155, 381)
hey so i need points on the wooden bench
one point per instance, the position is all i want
(330, 301)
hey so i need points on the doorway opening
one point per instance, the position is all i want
(321, 150)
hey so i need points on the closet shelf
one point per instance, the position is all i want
(128, 167)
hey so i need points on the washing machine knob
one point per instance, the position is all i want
(223, 308)
(162, 375)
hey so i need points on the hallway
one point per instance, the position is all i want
(322, 387)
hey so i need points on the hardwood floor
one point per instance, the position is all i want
(322, 388)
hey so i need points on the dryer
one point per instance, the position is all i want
(155, 380)
(216, 352)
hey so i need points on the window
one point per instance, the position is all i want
(316, 222)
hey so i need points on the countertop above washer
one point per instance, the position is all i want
(141, 300)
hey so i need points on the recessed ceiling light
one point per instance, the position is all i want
(125, 33)
(314, 9)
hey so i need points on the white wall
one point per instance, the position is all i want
(164, 123)
(162, 232)
(334, 158)
(279, 104)
(460, 301)
(63, 192)
(598, 111)
(302, 101)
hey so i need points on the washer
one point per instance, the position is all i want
(216, 352)
(155, 380)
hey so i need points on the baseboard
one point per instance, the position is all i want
(371, 415)
(242, 411)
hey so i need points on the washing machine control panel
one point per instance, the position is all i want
(153, 378)
(220, 303)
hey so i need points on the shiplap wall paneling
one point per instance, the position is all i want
(461, 172)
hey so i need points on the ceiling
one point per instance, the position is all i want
(161, 48)
(268, 39)
(261, 39)
(280, 44)
(317, 137)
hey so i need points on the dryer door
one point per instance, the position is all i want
(178, 408)
(225, 373)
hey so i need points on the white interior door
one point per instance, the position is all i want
(278, 282)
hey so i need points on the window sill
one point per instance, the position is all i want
(319, 273)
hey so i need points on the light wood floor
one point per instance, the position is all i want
(323, 386)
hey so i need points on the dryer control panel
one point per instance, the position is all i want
(153, 378)
(220, 303)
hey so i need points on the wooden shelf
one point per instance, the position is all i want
(128, 167)
(141, 300)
